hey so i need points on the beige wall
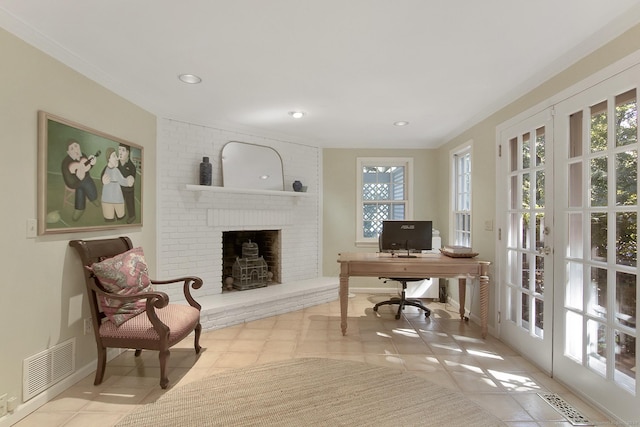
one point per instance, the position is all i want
(43, 300)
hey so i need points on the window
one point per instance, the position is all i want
(461, 203)
(384, 193)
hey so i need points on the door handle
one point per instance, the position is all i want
(544, 250)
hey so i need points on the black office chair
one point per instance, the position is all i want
(403, 301)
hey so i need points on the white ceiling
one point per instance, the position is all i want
(354, 66)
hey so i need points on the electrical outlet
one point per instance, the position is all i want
(3, 405)
(88, 327)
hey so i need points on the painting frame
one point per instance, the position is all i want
(88, 180)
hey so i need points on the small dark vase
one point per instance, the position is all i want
(205, 171)
(297, 186)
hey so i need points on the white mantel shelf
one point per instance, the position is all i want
(216, 189)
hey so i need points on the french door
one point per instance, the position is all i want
(568, 250)
(525, 251)
(595, 346)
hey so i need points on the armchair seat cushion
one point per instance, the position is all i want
(181, 320)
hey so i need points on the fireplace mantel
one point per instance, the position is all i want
(216, 189)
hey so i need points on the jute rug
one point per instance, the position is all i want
(312, 392)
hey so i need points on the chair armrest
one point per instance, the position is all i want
(188, 283)
(154, 298)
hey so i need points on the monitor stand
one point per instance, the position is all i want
(408, 255)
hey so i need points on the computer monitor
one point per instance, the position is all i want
(405, 237)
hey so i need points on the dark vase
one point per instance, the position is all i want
(297, 186)
(205, 171)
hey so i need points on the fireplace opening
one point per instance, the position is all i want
(250, 259)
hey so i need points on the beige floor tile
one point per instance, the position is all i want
(502, 406)
(441, 349)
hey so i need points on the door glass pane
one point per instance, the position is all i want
(513, 158)
(599, 181)
(599, 236)
(526, 191)
(626, 118)
(526, 268)
(597, 346)
(539, 316)
(540, 231)
(597, 302)
(575, 185)
(512, 238)
(625, 366)
(525, 231)
(539, 275)
(526, 151)
(575, 134)
(599, 127)
(513, 193)
(626, 299)
(575, 239)
(525, 311)
(627, 178)
(626, 238)
(573, 336)
(540, 189)
(540, 146)
(513, 304)
(573, 288)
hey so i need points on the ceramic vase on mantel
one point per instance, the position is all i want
(205, 171)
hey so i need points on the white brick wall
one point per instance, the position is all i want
(190, 224)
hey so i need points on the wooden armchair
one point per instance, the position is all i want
(158, 325)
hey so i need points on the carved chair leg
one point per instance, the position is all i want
(102, 363)
(198, 330)
(163, 356)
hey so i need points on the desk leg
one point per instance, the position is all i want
(462, 295)
(484, 305)
(344, 302)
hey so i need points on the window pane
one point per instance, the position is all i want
(625, 360)
(573, 336)
(526, 151)
(626, 299)
(627, 178)
(599, 236)
(575, 239)
(575, 185)
(575, 135)
(574, 289)
(540, 146)
(626, 238)
(597, 346)
(599, 181)
(626, 118)
(598, 132)
(597, 304)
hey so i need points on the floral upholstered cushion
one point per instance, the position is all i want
(124, 274)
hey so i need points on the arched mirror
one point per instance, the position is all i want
(251, 166)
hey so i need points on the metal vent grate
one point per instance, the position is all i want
(568, 411)
(44, 369)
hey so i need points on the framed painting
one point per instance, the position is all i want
(87, 180)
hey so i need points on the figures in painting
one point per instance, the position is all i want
(75, 172)
(113, 201)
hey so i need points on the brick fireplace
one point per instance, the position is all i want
(191, 224)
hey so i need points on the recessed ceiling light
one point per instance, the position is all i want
(191, 79)
(401, 123)
(296, 114)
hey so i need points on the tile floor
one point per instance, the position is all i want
(442, 349)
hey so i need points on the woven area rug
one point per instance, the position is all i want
(312, 392)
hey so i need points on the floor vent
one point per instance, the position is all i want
(44, 369)
(568, 411)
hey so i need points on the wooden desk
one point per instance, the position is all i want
(427, 265)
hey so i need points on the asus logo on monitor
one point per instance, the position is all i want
(408, 227)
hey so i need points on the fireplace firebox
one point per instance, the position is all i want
(250, 259)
